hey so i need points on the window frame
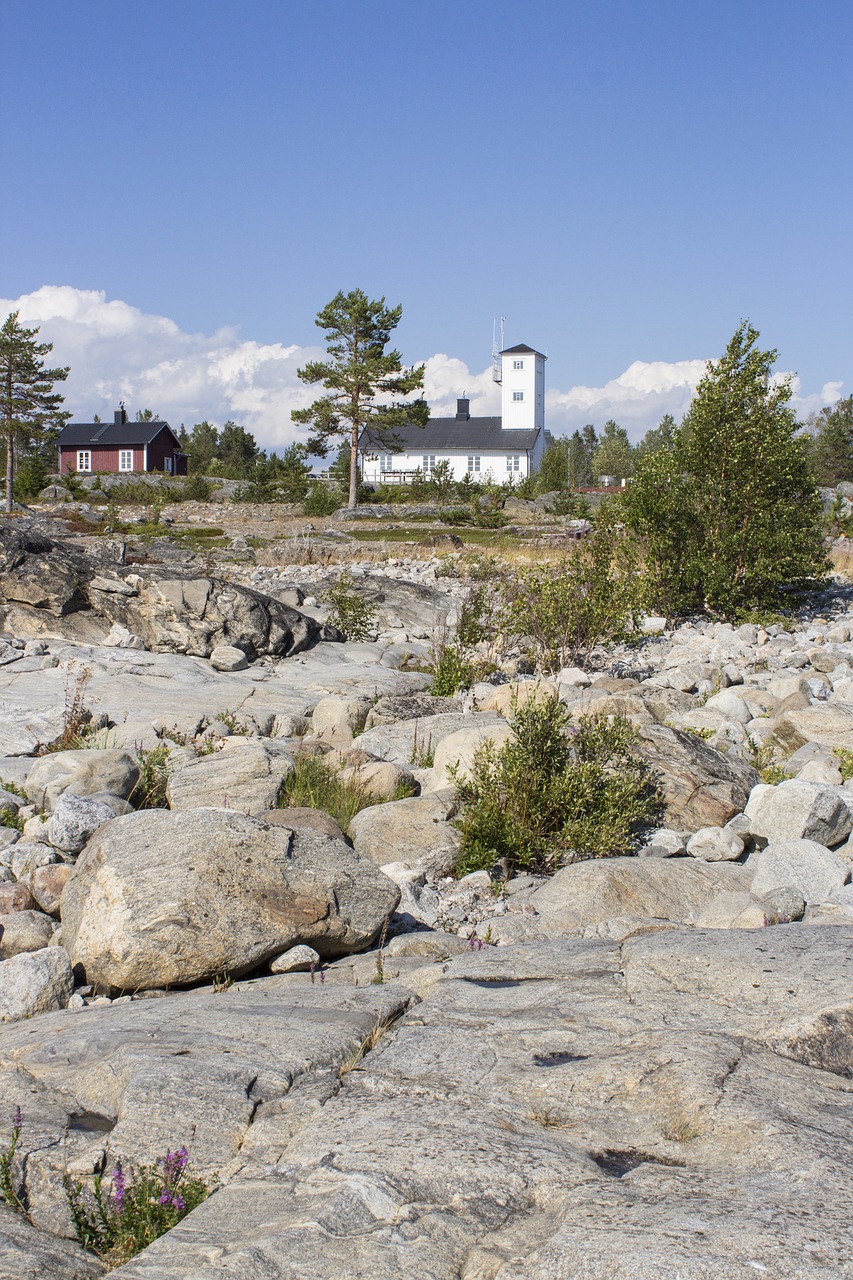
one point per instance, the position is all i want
(84, 461)
(429, 460)
(513, 462)
(123, 454)
(518, 364)
(517, 396)
(474, 463)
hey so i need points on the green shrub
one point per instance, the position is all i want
(452, 670)
(558, 613)
(150, 789)
(555, 793)
(845, 762)
(321, 500)
(353, 616)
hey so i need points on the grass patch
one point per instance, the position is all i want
(315, 785)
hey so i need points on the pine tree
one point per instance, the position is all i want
(361, 378)
(29, 406)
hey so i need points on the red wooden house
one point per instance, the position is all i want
(120, 447)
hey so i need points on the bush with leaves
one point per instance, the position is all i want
(558, 612)
(554, 792)
(322, 499)
(728, 510)
(456, 663)
(353, 616)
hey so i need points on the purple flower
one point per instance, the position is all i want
(171, 1199)
(119, 1188)
(18, 1122)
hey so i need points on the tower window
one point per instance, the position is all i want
(518, 395)
(518, 364)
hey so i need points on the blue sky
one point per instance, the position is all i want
(624, 181)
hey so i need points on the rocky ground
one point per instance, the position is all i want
(639, 1067)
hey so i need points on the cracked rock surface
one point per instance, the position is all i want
(677, 1106)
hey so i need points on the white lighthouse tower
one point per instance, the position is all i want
(522, 388)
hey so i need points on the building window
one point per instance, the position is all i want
(429, 463)
(518, 395)
(125, 459)
(386, 462)
(518, 364)
(513, 462)
(167, 465)
(84, 460)
(473, 463)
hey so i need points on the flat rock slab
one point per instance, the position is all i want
(571, 1109)
(195, 1068)
(29, 1254)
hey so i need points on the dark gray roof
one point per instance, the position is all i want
(514, 351)
(452, 433)
(108, 434)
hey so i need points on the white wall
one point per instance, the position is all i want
(529, 382)
(490, 461)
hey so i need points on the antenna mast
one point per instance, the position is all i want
(496, 350)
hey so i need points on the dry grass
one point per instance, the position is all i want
(354, 1058)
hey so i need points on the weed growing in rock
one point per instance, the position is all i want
(554, 793)
(11, 1187)
(312, 784)
(845, 762)
(423, 753)
(150, 789)
(763, 758)
(76, 716)
(353, 616)
(117, 1217)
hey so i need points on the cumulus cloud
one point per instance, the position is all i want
(117, 352)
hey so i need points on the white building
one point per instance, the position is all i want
(509, 446)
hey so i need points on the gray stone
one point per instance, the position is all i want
(664, 843)
(34, 982)
(629, 889)
(160, 898)
(295, 960)
(700, 785)
(225, 657)
(81, 773)
(298, 817)
(24, 931)
(797, 810)
(410, 740)
(715, 844)
(244, 774)
(785, 903)
(29, 1254)
(415, 832)
(74, 819)
(805, 866)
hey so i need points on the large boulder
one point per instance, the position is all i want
(160, 898)
(701, 786)
(74, 819)
(81, 773)
(800, 810)
(828, 723)
(810, 868)
(182, 613)
(29, 1254)
(585, 896)
(454, 755)
(34, 982)
(416, 832)
(33, 575)
(244, 774)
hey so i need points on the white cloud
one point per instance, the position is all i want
(117, 352)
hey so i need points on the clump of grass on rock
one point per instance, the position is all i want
(555, 792)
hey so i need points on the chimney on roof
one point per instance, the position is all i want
(463, 410)
(120, 416)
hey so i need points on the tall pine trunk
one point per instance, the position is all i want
(10, 468)
(353, 470)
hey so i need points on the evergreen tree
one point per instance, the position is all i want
(581, 451)
(730, 514)
(29, 406)
(614, 455)
(202, 446)
(361, 378)
(554, 470)
(659, 437)
(833, 442)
